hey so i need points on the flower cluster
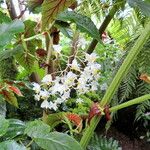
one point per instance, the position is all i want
(55, 92)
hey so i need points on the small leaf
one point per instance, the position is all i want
(57, 141)
(37, 128)
(51, 8)
(76, 119)
(83, 23)
(3, 125)
(11, 145)
(10, 97)
(15, 90)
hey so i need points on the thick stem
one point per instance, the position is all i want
(103, 27)
(116, 81)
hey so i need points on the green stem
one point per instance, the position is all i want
(131, 102)
(117, 80)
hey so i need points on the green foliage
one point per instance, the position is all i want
(143, 5)
(50, 10)
(56, 140)
(11, 145)
(84, 23)
(16, 128)
(3, 125)
(8, 30)
(37, 128)
(102, 143)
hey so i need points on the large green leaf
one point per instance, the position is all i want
(37, 128)
(16, 128)
(51, 8)
(57, 141)
(143, 5)
(3, 125)
(83, 23)
(8, 30)
(9, 53)
(11, 145)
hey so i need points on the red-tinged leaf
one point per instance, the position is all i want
(94, 111)
(15, 90)
(76, 119)
(107, 113)
(10, 97)
(145, 78)
(51, 8)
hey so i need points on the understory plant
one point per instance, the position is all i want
(54, 58)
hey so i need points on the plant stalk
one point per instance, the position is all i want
(103, 27)
(116, 81)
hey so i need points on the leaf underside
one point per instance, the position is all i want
(51, 8)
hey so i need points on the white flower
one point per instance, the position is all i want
(57, 48)
(37, 97)
(75, 65)
(58, 88)
(59, 101)
(91, 57)
(66, 95)
(36, 87)
(44, 94)
(70, 78)
(79, 100)
(45, 104)
(53, 106)
(47, 79)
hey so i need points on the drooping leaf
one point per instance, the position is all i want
(3, 125)
(37, 128)
(83, 23)
(143, 5)
(11, 145)
(10, 97)
(7, 31)
(57, 141)
(51, 8)
(16, 128)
